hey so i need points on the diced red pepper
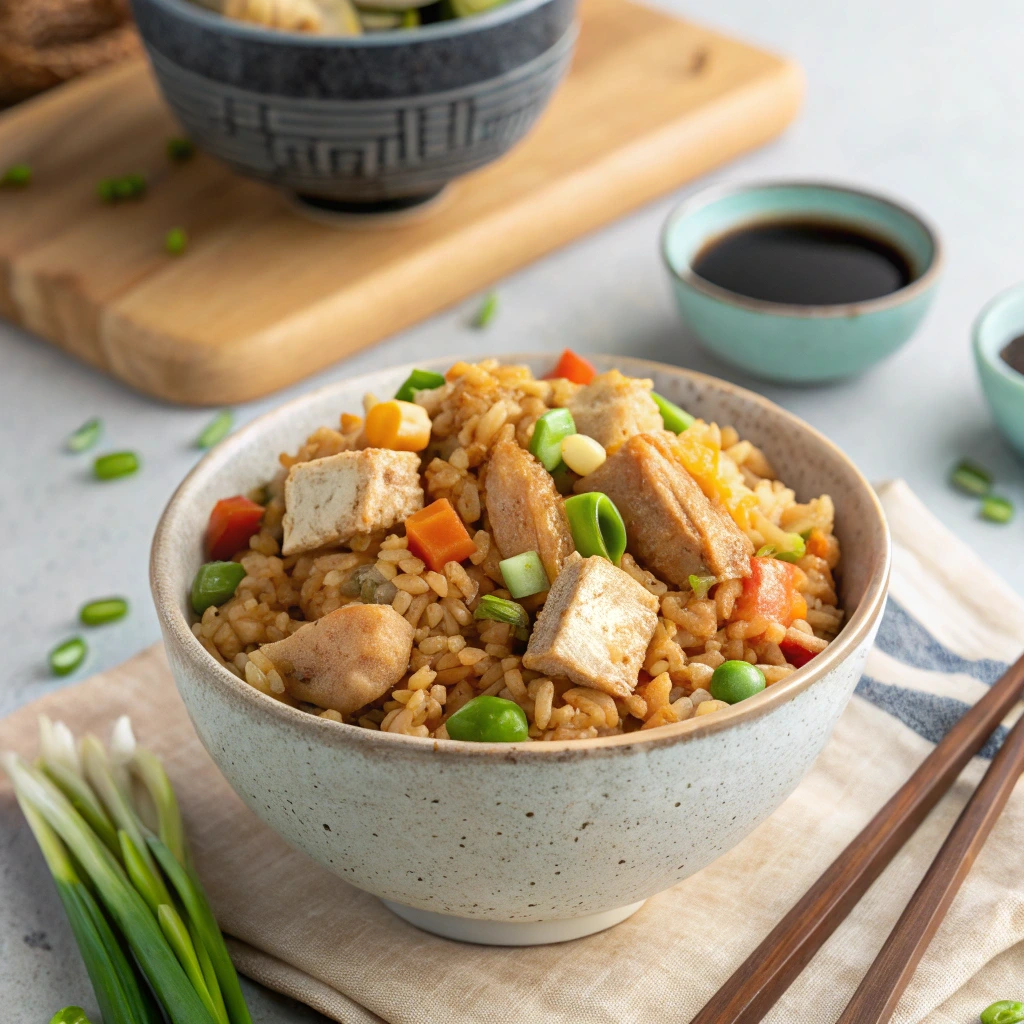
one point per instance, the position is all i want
(573, 367)
(436, 535)
(232, 522)
(769, 592)
(795, 654)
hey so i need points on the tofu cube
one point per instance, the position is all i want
(330, 500)
(612, 408)
(594, 628)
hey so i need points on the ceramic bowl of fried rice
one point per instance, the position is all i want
(323, 681)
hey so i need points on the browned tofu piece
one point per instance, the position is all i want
(330, 500)
(612, 408)
(595, 627)
(673, 528)
(346, 659)
(525, 511)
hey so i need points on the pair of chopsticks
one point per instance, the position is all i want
(759, 981)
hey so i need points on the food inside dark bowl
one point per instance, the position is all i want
(492, 557)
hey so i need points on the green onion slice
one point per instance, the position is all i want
(216, 430)
(796, 551)
(486, 312)
(675, 419)
(176, 241)
(524, 574)
(102, 611)
(700, 585)
(67, 656)
(548, 432)
(765, 551)
(596, 525)
(418, 380)
(115, 464)
(500, 609)
(971, 478)
(18, 175)
(215, 584)
(180, 149)
(85, 436)
(996, 509)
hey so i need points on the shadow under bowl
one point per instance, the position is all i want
(377, 122)
(796, 344)
(520, 843)
(997, 324)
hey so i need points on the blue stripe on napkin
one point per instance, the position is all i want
(930, 715)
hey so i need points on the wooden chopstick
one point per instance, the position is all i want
(772, 967)
(880, 991)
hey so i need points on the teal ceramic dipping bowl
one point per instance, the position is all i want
(1000, 322)
(797, 344)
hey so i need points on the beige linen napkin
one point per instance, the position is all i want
(304, 932)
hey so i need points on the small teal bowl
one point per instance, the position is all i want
(794, 344)
(998, 323)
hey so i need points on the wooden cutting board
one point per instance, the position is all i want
(264, 296)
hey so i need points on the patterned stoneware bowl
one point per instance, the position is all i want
(533, 842)
(381, 121)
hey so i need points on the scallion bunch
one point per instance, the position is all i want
(109, 828)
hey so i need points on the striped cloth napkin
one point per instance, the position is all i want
(950, 628)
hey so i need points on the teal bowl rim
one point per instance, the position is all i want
(982, 354)
(714, 193)
(188, 11)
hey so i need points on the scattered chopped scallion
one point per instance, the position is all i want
(418, 380)
(67, 656)
(180, 149)
(675, 419)
(486, 313)
(102, 611)
(765, 551)
(700, 585)
(17, 176)
(996, 509)
(500, 609)
(115, 465)
(216, 430)
(596, 525)
(971, 478)
(796, 551)
(548, 433)
(524, 574)
(176, 241)
(127, 186)
(85, 436)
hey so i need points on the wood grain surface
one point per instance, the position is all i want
(264, 296)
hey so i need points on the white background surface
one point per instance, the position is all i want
(922, 99)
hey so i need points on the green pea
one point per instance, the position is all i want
(102, 611)
(67, 656)
(115, 464)
(1006, 1011)
(734, 681)
(215, 583)
(489, 720)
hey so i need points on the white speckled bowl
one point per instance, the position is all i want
(521, 843)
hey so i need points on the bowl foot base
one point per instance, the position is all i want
(511, 933)
(348, 211)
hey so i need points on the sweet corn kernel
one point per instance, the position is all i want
(400, 426)
(582, 454)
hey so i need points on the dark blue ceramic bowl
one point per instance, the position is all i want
(379, 121)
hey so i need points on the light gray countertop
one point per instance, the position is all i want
(913, 98)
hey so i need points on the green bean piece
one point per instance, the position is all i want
(115, 465)
(672, 417)
(70, 1015)
(596, 525)
(67, 656)
(487, 311)
(418, 380)
(102, 611)
(85, 436)
(971, 478)
(216, 430)
(176, 241)
(489, 720)
(215, 584)
(180, 149)
(548, 432)
(1006, 1011)
(734, 681)
(700, 585)
(996, 509)
(17, 176)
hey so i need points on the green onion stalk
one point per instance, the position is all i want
(108, 825)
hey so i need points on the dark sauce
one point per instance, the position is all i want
(803, 263)
(1013, 354)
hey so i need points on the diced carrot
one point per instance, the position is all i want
(232, 522)
(795, 654)
(769, 592)
(817, 543)
(436, 535)
(400, 426)
(573, 367)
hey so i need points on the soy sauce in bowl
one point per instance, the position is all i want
(1012, 353)
(803, 262)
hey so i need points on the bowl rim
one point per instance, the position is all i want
(713, 193)
(176, 628)
(191, 12)
(983, 352)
